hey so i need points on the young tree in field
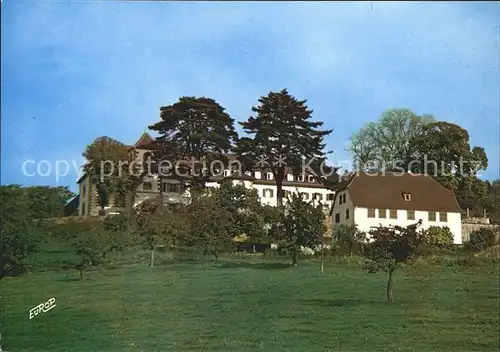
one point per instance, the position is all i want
(196, 129)
(391, 247)
(211, 225)
(244, 209)
(108, 169)
(348, 238)
(156, 225)
(303, 225)
(388, 143)
(283, 135)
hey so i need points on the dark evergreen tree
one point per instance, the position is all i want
(283, 135)
(194, 129)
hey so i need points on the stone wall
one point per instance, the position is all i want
(470, 225)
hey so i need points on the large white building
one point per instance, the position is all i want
(395, 199)
(174, 191)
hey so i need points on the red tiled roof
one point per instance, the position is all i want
(145, 141)
(386, 191)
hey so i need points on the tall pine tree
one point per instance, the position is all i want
(195, 129)
(283, 134)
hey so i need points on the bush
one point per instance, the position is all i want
(481, 239)
(438, 238)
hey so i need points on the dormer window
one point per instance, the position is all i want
(407, 197)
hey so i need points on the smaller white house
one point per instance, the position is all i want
(369, 200)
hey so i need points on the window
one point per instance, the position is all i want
(317, 196)
(147, 186)
(347, 214)
(342, 198)
(305, 195)
(310, 178)
(407, 197)
(393, 214)
(146, 160)
(443, 217)
(257, 175)
(432, 216)
(345, 197)
(172, 188)
(268, 193)
(330, 196)
(410, 214)
(289, 177)
(269, 176)
(337, 217)
(286, 194)
(300, 178)
(173, 206)
(227, 173)
(371, 213)
(382, 213)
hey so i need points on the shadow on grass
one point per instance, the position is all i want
(68, 279)
(257, 266)
(331, 302)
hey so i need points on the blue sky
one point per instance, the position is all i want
(72, 72)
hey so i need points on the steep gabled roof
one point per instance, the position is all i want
(145, 142)
(387, 191)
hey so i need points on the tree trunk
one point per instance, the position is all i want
(279, 190)
(294, 256)
(389, 287)
(81, 272)
(322, 254)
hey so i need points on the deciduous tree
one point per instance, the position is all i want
(443, 152)
(391, 247)
(387, 144)
(348, 238)
(211, 225)
(108, 169)
(303, 225)
(18, 230)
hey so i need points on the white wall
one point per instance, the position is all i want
(309, 190)
(364, 223)
(341, 210)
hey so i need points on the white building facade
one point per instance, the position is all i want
(396, 200)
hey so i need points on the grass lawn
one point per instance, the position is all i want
(253, 305)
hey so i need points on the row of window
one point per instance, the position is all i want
(410, 214)
(393, 214)
(269, 193)
(266, 193)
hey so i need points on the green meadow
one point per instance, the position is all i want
(253, 304)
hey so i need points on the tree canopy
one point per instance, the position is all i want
(388, 143)
(283, 134)
(195, 128)
(108, 169)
